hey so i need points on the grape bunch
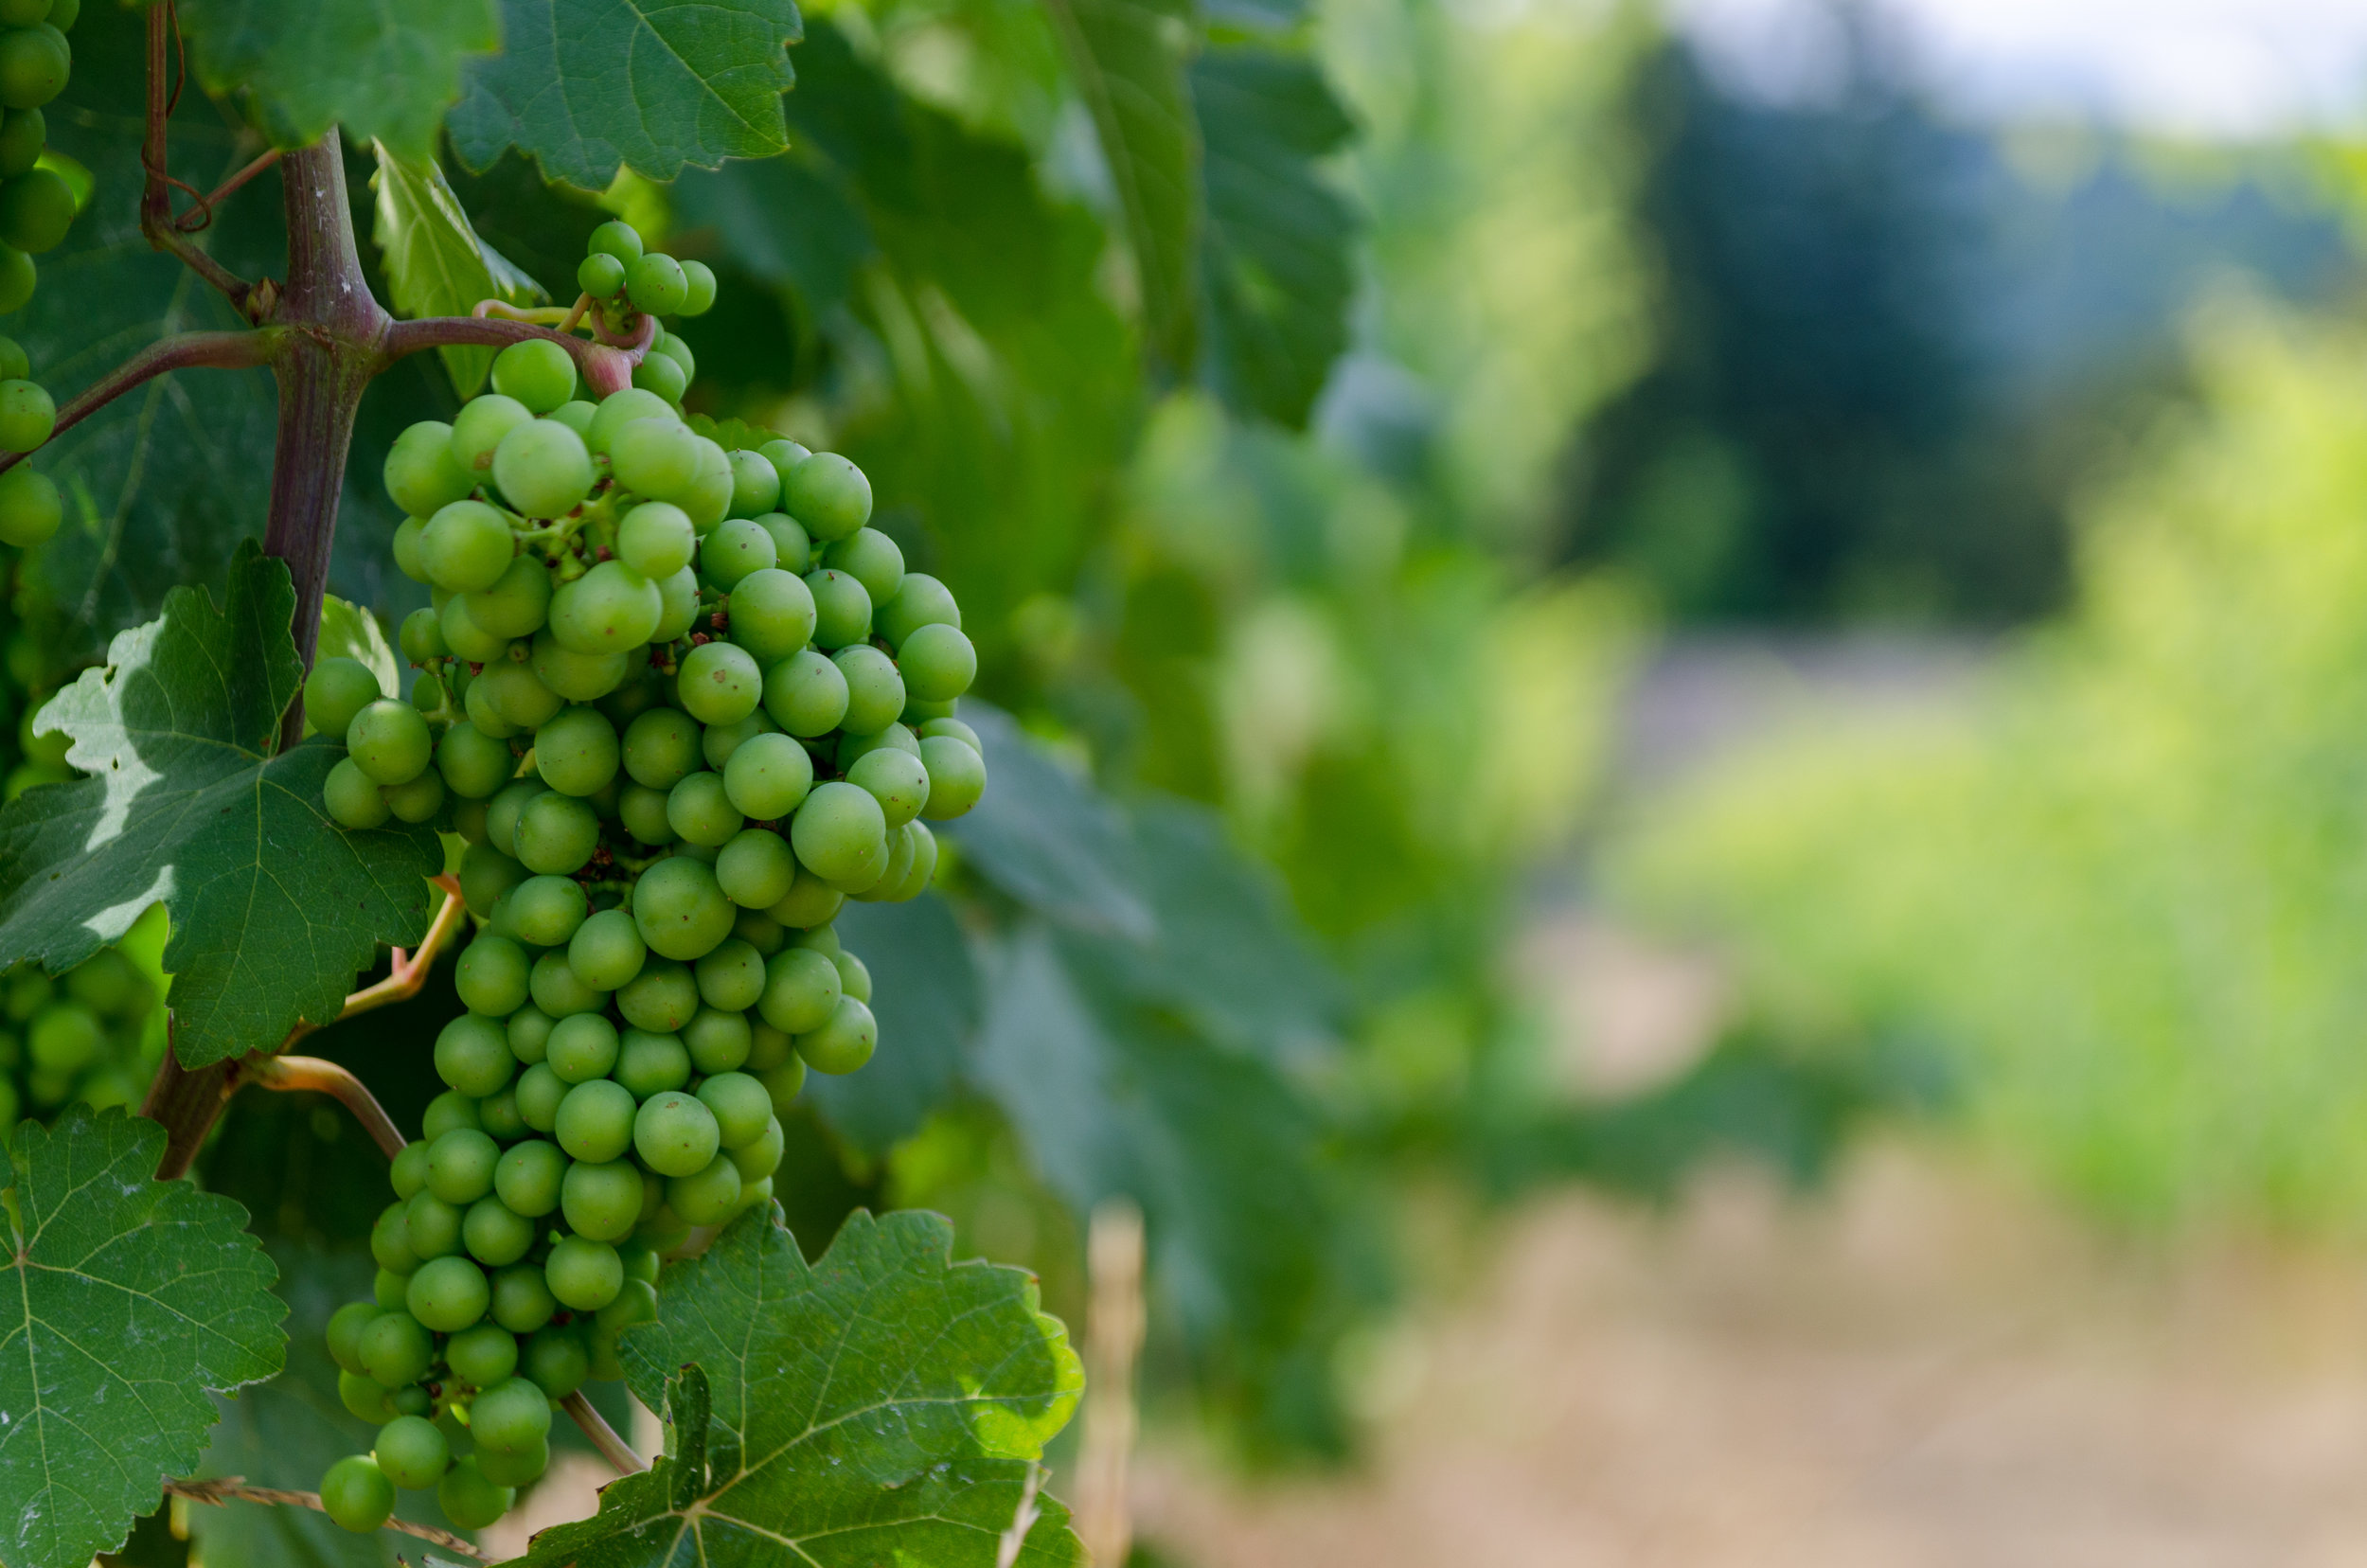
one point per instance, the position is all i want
(31, 508)
(36, 208)
(91, 1034)
(681, 704)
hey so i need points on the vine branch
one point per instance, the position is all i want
(291, 1074)
(613, 1447)
(156, 220)
(219, 1493)
(181, 352)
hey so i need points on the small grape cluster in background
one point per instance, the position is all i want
(94, 1033)
(36, 206)
(682, 702)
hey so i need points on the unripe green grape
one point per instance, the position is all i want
(389, 741)
(411, 1452)
(427, 694)
(719, 684)
(520, 698)
(809, 903)
(615, 237)
(755, 869)
(336, 690)
(501, 1118)
(732, 977)
(34, 65)
(650, 1064)
(872, 559)
(466, 545)
(601, 1201)
(709, 497)
(681, 910)
(584, 1275)
(555, 1360)
(528, 1176)
(662, 999)
(806, 694)
(606, 951)
(661, 748)
(30, 508)
(448, 1295)
(446, 1111)
(654, 458)
(770, 612)
(665, 1231)
(642, 811)
(510, 1415)
(717, 1041)
(26, 414)
(576, 414)
(896, 779)
(422, 476)
(542, 468)
(364, 1398)
(16, 364)
(538, 372)
(521, 1467)
(838, 831)
(595, 1121)
(388, 1290)
(420, 639)
(577, 753)
(473, 1055)
(521, 1299)
(719, 743)
(474, 765)
(738, 1106)
(656, 540)
(23, 133)
(583, 1048)
(354, 798)
(875, 690)
(756, 485)
(938, 663)
(417, 800)
(755, 928)
(36, 208)
(478, 429)
(842, 609)
(957, 777)
(529, 1032)
(657, 373)
(793, 550)
(954, 728)
(635, 1303)
(457, 623)
(844, 1042)
(853, 747)
(547, 911)
(516, 605)
(823, 940)
(560, 991)
(356, 1493)
(493, 1235)
(699, 284)
(762, 1155)
(610, 609)
(390, 1242)
(918, 713)
(601, 275)
(460, 1166)
(854, 976)
(18, 278)
(655, 284)
(481, 1357)
(344, 1332)
(828, 494)
(540, 1091)
(736, 548)
(577, 677)
(700, 811)
(679, 596)
(622, 409)
(502, 813)
(468, 1499)
(557, 834)
(754, 1195)
(394, 1348)
(707, 1196)
(892, 875)
(801, 991)
(784, 454)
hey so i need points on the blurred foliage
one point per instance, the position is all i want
(2121, 893)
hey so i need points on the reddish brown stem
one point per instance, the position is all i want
(220, 1492)
(156, 220)
(202, 213)
(290, 1075)
(184, 351)
(613, 1447)
(186, 1104)
(409, 337)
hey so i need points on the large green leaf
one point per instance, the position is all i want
(1128, 58)
(133, 1300)
(925, 995)
(1276, 259)
(1046, 837)
(274, 907)
(386, 70)
(589, 86)
(436, 264)
(884, 1405)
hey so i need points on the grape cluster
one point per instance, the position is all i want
(89, 1034)
(36, 208)
(690, 704)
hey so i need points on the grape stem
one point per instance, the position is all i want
(181, 352)
(219, 1493)
(407, 973)
(613, 1447)
(293, 1074)
(255, 301)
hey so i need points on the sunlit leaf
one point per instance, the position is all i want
(383, 71)
(436, 264)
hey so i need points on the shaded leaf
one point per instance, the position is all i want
(383, 71)
(1045, 837)
(884, 1405)
(586, 87)
(274, 907)
(925, 995)
(436, 264)
(133, 1300)
(783, 222)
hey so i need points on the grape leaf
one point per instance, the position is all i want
(386, 71)
(134, 1298)
(274, 907)
(436, 264)
(884, 1405)
(1047, 838)
(1276, 257)
(588, 86)
(925, 995)
(349, 631)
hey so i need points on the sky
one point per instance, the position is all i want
(2205, 67)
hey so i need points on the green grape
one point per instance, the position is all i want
(584, 1275)
(389, 741)
(853, 747)
(734, 549)
(717, 1041)
(649, 1064)
(634, 1304)
(465, 547)
(805, 695)
(354, 1491)
(737, 1106)
(538, 372)
(957, 777)
(755, 927)
(661, 748)
(387, 1290)
(23, 133)
(540, 1091)
(556, 1362)
(577, 753)
(546, 911)
(422, 474)
(654, 458)
(528, 1176)
(559, 991)
(811, 902)
(755, 869)
(793, 552)
(844, 1042)
(476, 700)
(679, 596)
(529, 1031)
(601, 1201)
(659, 374)
(544, 468)
(662, 998)
(853, 976)
(583, 1048)
(460, 1166)
(762, 1155)
(801, 991)
(875, 690)
(521, 1299)
(838, 831)
(707, 1196)
(491, 976)
(411, 1452)
(510, 1415)
(842, 609)
(608, 610)
(390, 1242)
(680, 908)
(577, 677)
(448, 1295)
(481, 1356)
(896, 779)
(756, 485)
(34, 64)
(700, 811)
(918, 713)
(595, 1121)
(770, 612)
(468, 1499)
(26, 414)
(938, 663)
(486, 873)
(872, 559)
(66, 1038)
(557, 834)
(427, 695)
(458, 625)
(500, 1114)
(606, 951)
(877, 887)
(615, 237)
(699, 286)
(576, 414)
(655, 284)
(954, 728)
(516, 605)
(473, 1055)
(420, 639)
(344, 1332)
(446, 1111)
(36, 208)
(709, 496)
(473, 765)
(394, 1348)
(784, 454)
(719, 684)
(501, 814)
(30, 508)
(519, 1469)
(338, 690)
(478, 429)
(828, 494)
(18, 278)
(601, 275)
(493, 1235)
(656, 539)
(364, 1398)
(720, 741)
